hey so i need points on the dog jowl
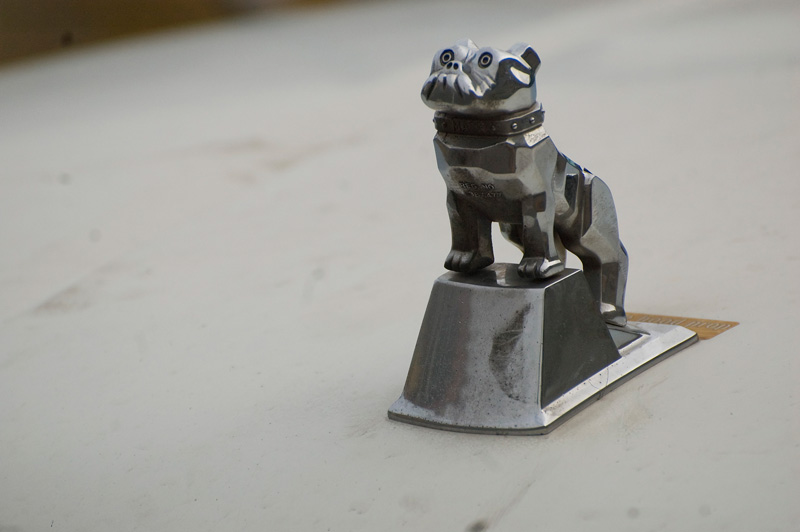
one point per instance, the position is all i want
(500, 165)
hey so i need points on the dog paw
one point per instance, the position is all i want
(539, 267)
(466, 261)
(613, 314)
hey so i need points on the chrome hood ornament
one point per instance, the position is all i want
(481, 81)
(517, 348)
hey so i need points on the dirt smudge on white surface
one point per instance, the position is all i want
(114, 281)
(75, 297)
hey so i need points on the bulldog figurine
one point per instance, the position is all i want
(500, 165)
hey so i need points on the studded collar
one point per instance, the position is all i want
(503, 126)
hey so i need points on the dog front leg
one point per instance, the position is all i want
(472, 237)
(541, 258)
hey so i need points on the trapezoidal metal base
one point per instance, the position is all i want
(499, 354)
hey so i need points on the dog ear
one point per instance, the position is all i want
(466, 43)
(526, 52)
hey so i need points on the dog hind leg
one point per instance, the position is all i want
(593, 235)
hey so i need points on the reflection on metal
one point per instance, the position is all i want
(514, 349)
(500, 165)
(501, 354)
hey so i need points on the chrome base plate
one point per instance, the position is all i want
(500, 357)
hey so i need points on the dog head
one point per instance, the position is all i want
(468, 80)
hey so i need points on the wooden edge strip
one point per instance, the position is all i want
(704, 328)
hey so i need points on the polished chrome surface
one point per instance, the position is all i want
(516, 349)
(486, 81)
(501, 354)
(500, 165)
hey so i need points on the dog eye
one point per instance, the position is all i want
(446, 57)
(485, 59)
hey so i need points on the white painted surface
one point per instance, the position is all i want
(216, 247)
